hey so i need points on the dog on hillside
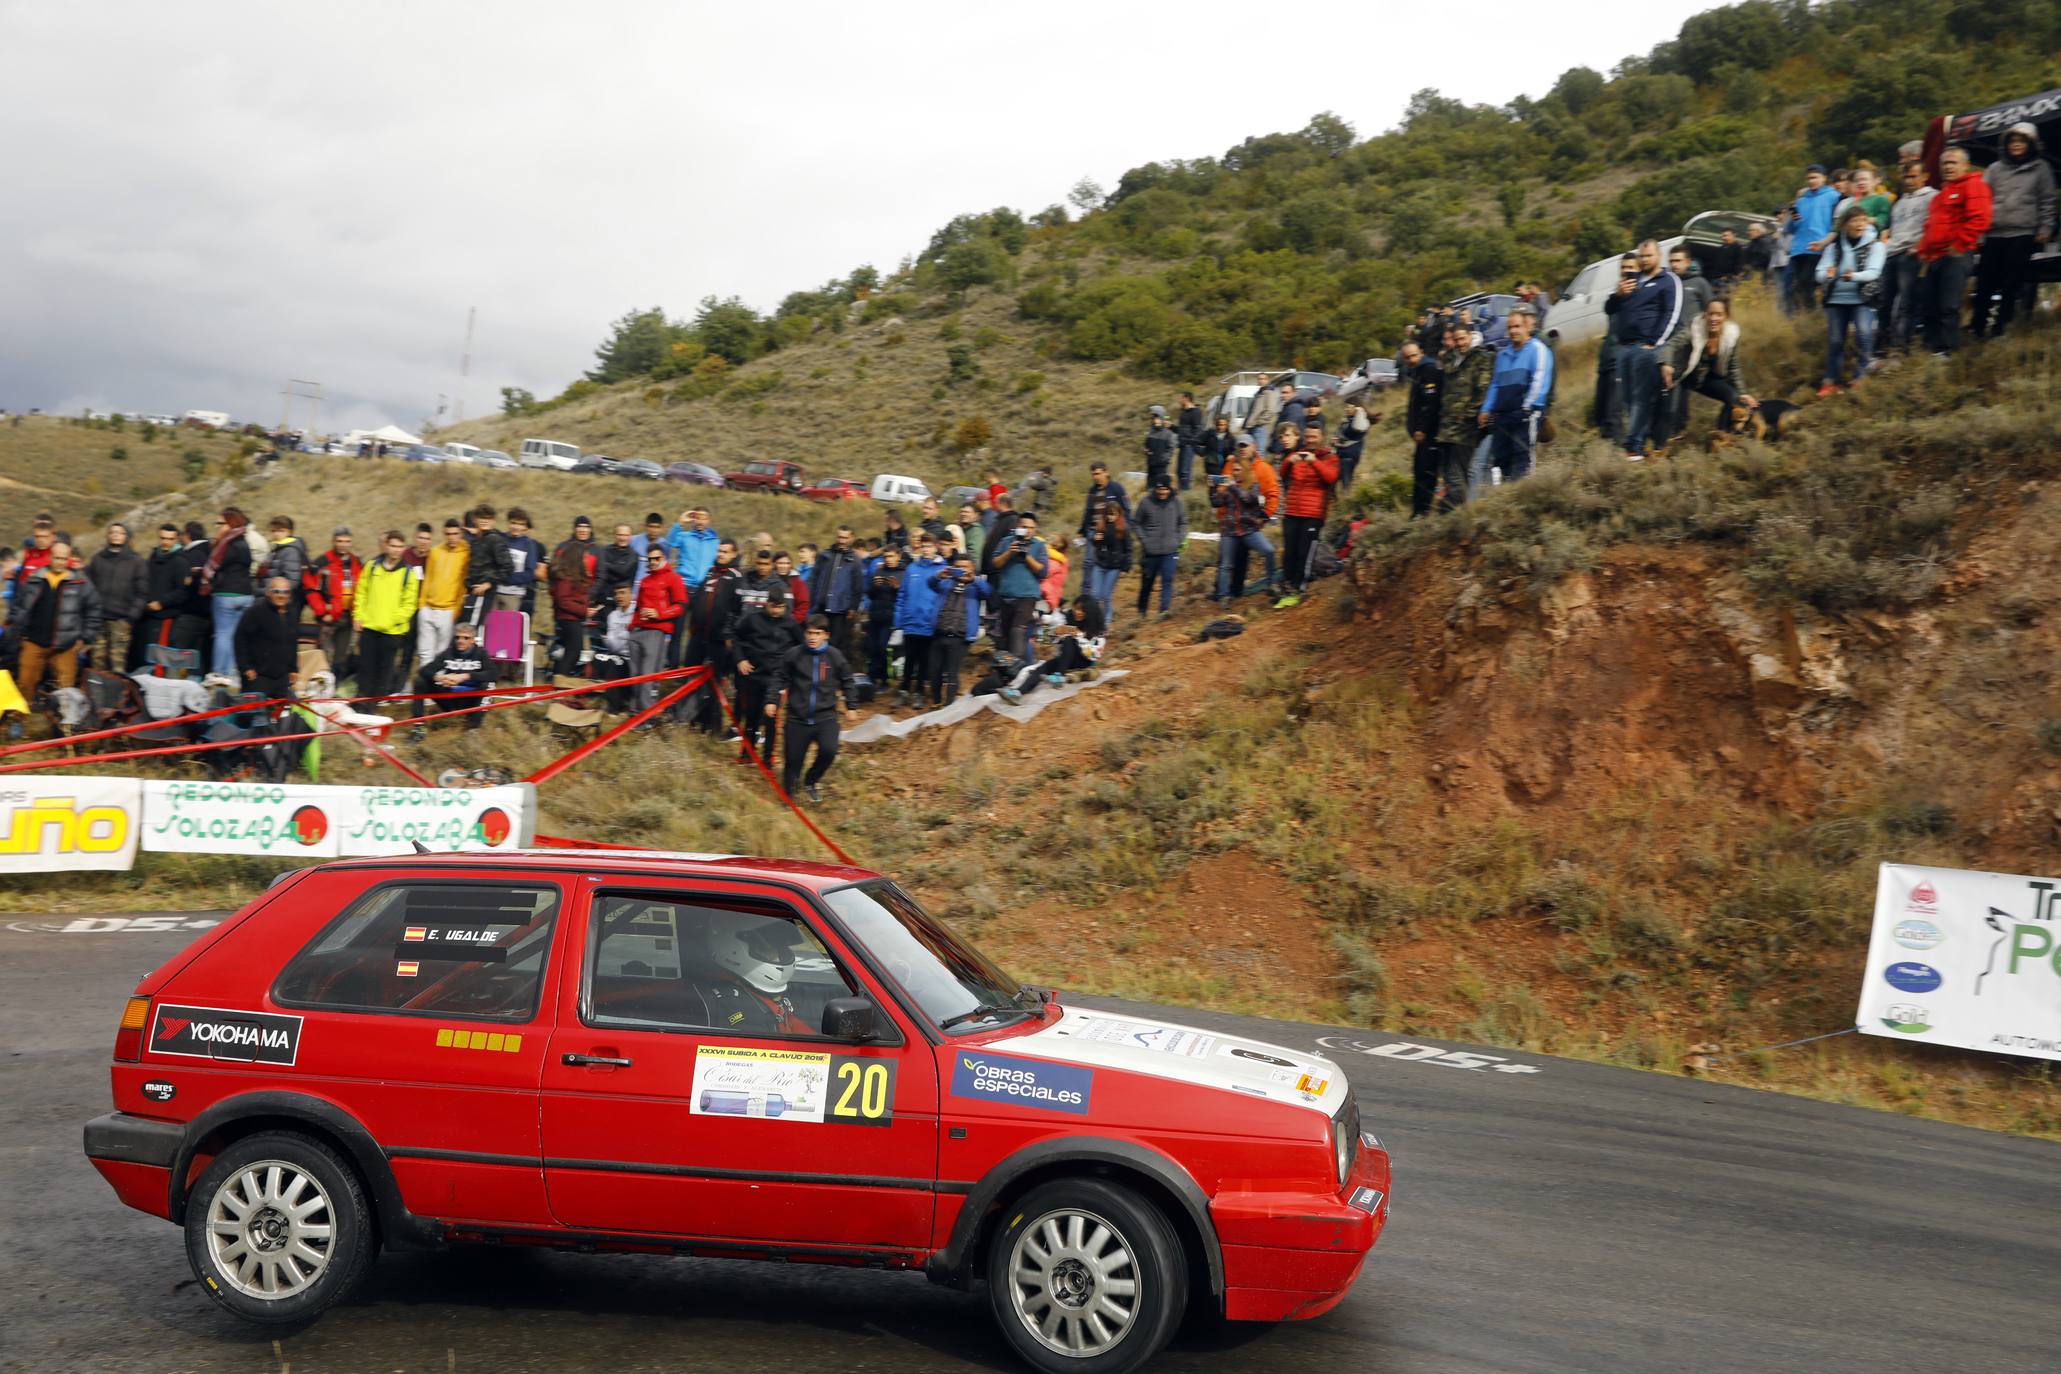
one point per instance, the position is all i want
(1767, 422)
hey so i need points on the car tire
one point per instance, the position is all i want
(279, 1211)
(1086, 1277)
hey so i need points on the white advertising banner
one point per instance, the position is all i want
(68, 825)
(1967, 959)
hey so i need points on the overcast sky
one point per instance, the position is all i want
(205, 199)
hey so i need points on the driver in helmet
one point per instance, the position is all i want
(749, 991)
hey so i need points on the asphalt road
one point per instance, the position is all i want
(1549, 1216)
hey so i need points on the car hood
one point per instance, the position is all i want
(1252, 1068)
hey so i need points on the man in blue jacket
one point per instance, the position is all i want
(1520, 389)
(693, 545)
(1811, 234)
(1647, 311)
(837, 586)
(916, 608)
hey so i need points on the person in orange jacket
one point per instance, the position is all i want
(1312, 476)
(1959, 218)
(1052, 587)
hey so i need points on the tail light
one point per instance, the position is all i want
(129, 1038)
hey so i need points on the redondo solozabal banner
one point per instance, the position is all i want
(53, 824)
(1967, 959)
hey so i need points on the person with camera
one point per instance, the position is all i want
(813, 684)
(1607, 412)
(1021, 561)
(1646, 312)
(1106, 529)
(1312, 475)
(1242, 511)
(916, 617)
(961, 593)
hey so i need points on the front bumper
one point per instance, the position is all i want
(134, 1154)
(1288, 1256)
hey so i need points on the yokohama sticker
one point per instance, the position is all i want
(218, 1033)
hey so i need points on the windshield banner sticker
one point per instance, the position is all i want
(780, 1085)
(1023, 1082)
(1143, 1035)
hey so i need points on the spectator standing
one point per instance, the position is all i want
(654, 536)
(1352, 441)
(1162, 524)
(661, 599)
(693, 542)
(1814, 207)
(236, 550)
(1052, 586)
(268, 642)
(814, 684)
(1160, 444)
(196, 620)
(1266, 412)
(1021, 563)
(2021, 188)
(764, 639)
(1242, 515)
(569, 576)
(526, 555)
(1779, 243)
(797, 585)
(933, 524)
(1426, 382)
(1852, 272)
(837, 587)
(916, 617)
(443, 593)
(961, 594)
(1609, 404)
(1696, 288)
(883, 591)
(1105, 526)
(1755, 254)
(894, 532)
(489, 567)
(330, 589)
(616, 564)
(120, 576)
(1520, 389)
(1312, 475)
(167, 595)
(1722, 262)
(1189, 431)
(1649, 311)
(424, 540)
(972, 534)
(707, 645)
(287, 557)
(1697, 292)
(1467, 369)
(55, 611)
(1959, 217)
(1901, 299)
(1217, 447)
(383, 612)
(1707, 363)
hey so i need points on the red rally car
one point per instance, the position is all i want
(719, 1056)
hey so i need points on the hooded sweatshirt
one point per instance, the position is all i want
(1863, 257)
(1161, 524)
(121, 578)
(2021, 190)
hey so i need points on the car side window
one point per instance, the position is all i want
(473, 950)
(673, 963)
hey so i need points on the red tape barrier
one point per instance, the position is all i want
(744, 734)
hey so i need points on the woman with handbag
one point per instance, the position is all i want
(1851, 268)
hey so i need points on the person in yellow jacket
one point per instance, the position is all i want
(443, 593)
(389, 590)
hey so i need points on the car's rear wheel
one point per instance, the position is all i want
(1086, 1278)
(278, 1228)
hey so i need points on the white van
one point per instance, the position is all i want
(907, 491)
(549, 453)
(463, 453)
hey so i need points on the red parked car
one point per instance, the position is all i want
(711, 1055)
(837, 489)
(767, 474)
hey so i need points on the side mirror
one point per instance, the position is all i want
(849, 1018)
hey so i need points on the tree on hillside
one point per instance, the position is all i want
(1085, 195)
(635, 344)
(517, 400)
(728, 328)
(1329, 133)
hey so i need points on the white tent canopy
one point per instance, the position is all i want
(385, 434)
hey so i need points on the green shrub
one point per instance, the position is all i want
(119, 454)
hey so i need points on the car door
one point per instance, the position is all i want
(681, 1098)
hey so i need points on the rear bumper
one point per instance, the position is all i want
(135, 1156)
(1289, 1256)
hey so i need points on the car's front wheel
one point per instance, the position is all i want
(1086, 1277)
(278, 1228)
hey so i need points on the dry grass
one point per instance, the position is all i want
(48, 463)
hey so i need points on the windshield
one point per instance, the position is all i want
(954, 983)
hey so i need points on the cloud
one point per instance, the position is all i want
(206, 200)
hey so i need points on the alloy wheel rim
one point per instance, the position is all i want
(1074, 1283)
(271, 1230)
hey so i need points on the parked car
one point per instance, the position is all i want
(1235, 400)
(762, 1059)
(955, 497)
(423, 453)
(906, 491)
(767, 474)
(1371, 375)
(549, 453)
(1578, 316)
(642, 468)
(835, 489)
(694, 474)
(462, 453)
(593, 464)
(494, 458)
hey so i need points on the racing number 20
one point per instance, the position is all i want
(862, 1090)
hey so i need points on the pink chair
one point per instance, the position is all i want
(506, 635)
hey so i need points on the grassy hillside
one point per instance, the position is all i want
(88, 474)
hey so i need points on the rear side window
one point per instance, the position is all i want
(433, 949)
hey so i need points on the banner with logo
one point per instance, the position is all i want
(68, 825)
(1967, 959)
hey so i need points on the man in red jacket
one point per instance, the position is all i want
(330, 587)
(1953, 231)
(1312, 473)
(661, 598)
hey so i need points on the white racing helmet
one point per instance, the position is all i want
(753, 948)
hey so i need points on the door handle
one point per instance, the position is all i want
(589, 1060)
